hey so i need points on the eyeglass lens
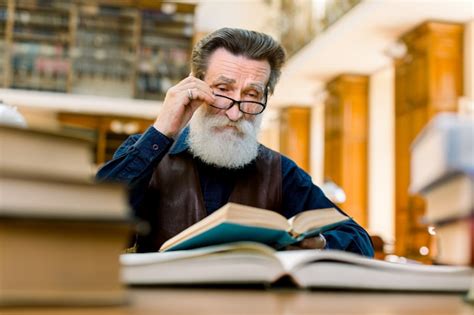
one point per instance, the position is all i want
(246, 107)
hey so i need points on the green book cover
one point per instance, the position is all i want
(231, 232)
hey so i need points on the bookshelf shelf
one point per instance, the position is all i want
(31, 37)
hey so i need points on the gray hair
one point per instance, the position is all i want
(240, 42)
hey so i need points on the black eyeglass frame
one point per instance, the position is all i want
(264, 105)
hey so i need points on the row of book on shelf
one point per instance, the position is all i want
(63, 238)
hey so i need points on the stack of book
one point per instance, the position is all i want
(442, 171)
(60, 233)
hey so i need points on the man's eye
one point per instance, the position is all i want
(252, 95)
(222, 88)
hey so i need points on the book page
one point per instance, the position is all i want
(234, 263)
(158, 257)
(295, 259)
(316, 220)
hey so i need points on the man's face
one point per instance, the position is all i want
(236, 77)
(228, 137)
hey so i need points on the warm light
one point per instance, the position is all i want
(116, 126)
(131, 128)
(319, 9)
(424, 251)
(169, 8)
(431, 230)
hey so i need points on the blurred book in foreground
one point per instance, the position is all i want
(45, 153)
(255, 263)
(442, 171)
(60, 234)
(444, 147)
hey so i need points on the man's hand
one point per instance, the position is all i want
(315, 242)
(181, 101)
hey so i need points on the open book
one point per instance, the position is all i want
(247, 263)
(234, 222)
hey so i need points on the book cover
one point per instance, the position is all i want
(445, 146)
(47, 261)
(455, 241)
(45, 153)
(450, 198)
(43, 197)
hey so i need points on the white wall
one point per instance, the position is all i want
(257, 15)
(317, 142)
(381, 154)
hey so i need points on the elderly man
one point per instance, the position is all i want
(202, 150)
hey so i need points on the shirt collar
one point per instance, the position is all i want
(181, 144)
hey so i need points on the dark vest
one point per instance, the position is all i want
(174, 200)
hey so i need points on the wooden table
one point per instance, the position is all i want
(192, 301)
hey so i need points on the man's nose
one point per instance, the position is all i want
(234, 113)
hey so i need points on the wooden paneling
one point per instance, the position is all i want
(345, 141)
(428, 80)
(295, 135)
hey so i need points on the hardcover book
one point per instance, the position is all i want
(444, 147)
(45, 153)
(451, 198)
(255, 263)
(235, 222)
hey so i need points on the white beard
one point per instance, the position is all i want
(229, 148)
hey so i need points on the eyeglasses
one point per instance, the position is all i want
(247, 107)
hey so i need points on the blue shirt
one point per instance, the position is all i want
(134, 162)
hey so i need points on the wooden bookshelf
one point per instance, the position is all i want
(164, 54)
(39, 45)
(134, 49)
(104, 50)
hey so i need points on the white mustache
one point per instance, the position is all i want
(221, 121)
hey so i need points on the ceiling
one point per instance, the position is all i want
(357, 44)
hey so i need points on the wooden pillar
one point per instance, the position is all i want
(295, 123)
(428, 80)
(345, 141)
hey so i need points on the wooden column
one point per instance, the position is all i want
(428, 80)
(345, 141)
(295, 123)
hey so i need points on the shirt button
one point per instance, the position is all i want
(155, 147)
